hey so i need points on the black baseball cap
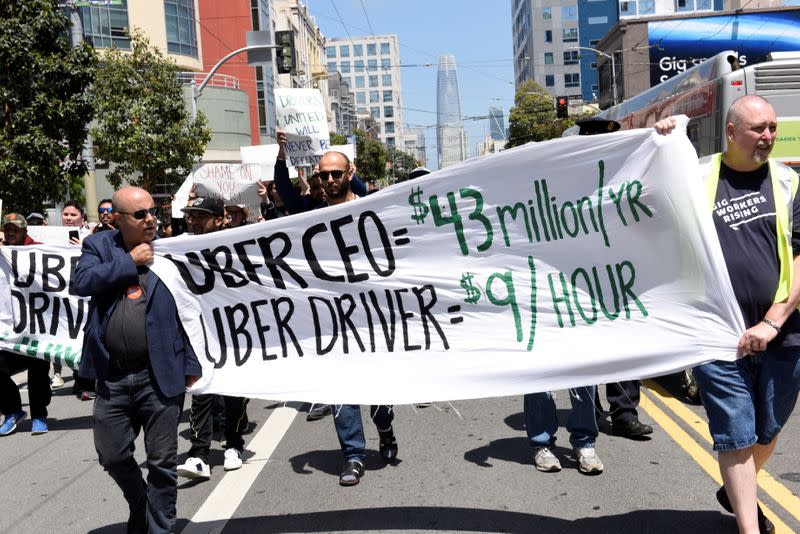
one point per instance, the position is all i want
(208, 205)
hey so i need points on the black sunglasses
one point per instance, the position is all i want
(142, 213)
(337, 174)
(105, 210)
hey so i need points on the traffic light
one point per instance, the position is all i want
(284, 54)
(562, 107)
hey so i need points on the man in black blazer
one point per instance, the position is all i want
(137, 351)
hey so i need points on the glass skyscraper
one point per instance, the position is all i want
(450, 137)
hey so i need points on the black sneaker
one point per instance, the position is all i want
(765, 526)
(351, 474)
(633, 429)
(388, 446)
(318, 411)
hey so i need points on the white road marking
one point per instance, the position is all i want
(220, 506)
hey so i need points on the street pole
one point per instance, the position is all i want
(613, 67)
(89, 182)
(198, 91)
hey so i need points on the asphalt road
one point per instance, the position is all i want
(465, 467)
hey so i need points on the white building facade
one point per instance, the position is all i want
(371, 67)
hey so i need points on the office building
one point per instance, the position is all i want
(451, 141)
(371, 67)
(497, 125)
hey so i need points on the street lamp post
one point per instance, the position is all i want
(197, 91)
(613, 68)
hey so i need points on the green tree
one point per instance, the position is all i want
(143, 125)
(401, 163)
(45, 105)
(338, 139)
(533, 116)
(370, 157)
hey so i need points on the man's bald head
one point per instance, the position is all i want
(133, 217)
(750, 132)
(336, 159)
(742, 106)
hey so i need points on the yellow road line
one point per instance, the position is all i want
(777, 491)
(699, 454)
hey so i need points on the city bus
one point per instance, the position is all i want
(704, 93)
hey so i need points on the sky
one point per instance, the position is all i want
(476, 32)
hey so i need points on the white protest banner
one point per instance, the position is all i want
(577, 261)
(301, 114)
(266, 156)
(234, 184)
(39, 316)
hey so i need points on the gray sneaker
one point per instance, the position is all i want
(588, 462)
(545, 460)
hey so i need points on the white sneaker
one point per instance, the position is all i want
(194, 468)
(232, 460)
(546, 461)
(588, 462)
(56, 381)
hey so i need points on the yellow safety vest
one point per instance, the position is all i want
(784, 188)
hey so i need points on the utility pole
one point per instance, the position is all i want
(89, 182)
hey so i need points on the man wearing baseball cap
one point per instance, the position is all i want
(204, 214)
(15, 230)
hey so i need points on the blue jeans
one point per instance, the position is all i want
(749, 400)
(350, 429)
(124, 405)
(541, 422)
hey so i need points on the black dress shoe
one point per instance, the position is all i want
(631, 429)
(137, 521)
(765, 526)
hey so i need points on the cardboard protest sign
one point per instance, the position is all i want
(538, 268)
(301, 114)
(265, 156)
(235, 184)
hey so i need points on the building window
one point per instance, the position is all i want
(358, 50)
(569, 13)
(181, 35)
(548, 58)
(372, 50)
(359, 82)
(386, 63)
(372, 65)
(593, 66)
(388, 128)
(373, 81)
(594, 87)
(594, 42)
(597, 20)
(387, 96)
(571, 57)
(374, 97)
(361, 98)
(390, 141)
(344, 67)
(385, 49)
(387, 80)
(572, 79)
(331, 51)
(344, 51)
(549, 80)
(647, 7)
(548, 36)
(331, 66)
(388, 111)
(693, 5)
(569, 35)
(107, 26)
(359, 65)
(547, 13)
(375, 111)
